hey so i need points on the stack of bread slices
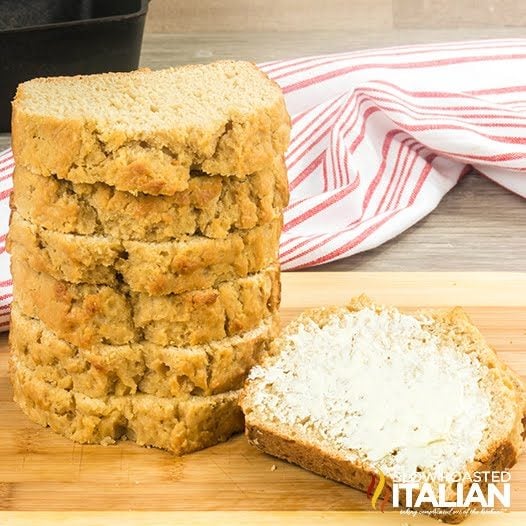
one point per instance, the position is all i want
(144, 236)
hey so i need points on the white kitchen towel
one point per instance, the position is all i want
(378, 138)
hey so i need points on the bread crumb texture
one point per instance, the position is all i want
(180, 425)
(145, 131)
(211, 206)
(103, 370)
(170, 267)
(85, 315)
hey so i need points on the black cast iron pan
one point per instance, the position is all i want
(41, 38)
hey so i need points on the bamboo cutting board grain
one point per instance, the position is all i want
(43, 471)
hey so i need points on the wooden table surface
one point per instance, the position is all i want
(41, 471)
(477, 226)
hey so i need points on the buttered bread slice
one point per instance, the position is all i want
(144, 131)
(356, 392)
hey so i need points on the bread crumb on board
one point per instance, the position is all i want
(107, 441)
(273, 467)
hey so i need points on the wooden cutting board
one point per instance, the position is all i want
(43, 471)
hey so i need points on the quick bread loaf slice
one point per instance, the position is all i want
(356, 391)
(170, 267)
(145, 131)
(211, 206)
(103, 370)
(179, 425)
(86, 315)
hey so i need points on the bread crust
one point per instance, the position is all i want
(179, 425)
(314, 459)
(212, 206)
(171, 267)
(499, 453)
(308, 456)
(86, 315)
(235, 141)
(106, 370)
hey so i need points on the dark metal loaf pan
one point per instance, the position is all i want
(42, 38)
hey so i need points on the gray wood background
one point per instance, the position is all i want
(478, 225)
(330, 15)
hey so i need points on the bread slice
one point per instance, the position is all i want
(354, 391)
(144, 131)
(211, 206)
(86, 315)
(180, 425)
(170, 267)
(103, 370)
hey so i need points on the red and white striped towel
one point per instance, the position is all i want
(6, 184)
(378, 138)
